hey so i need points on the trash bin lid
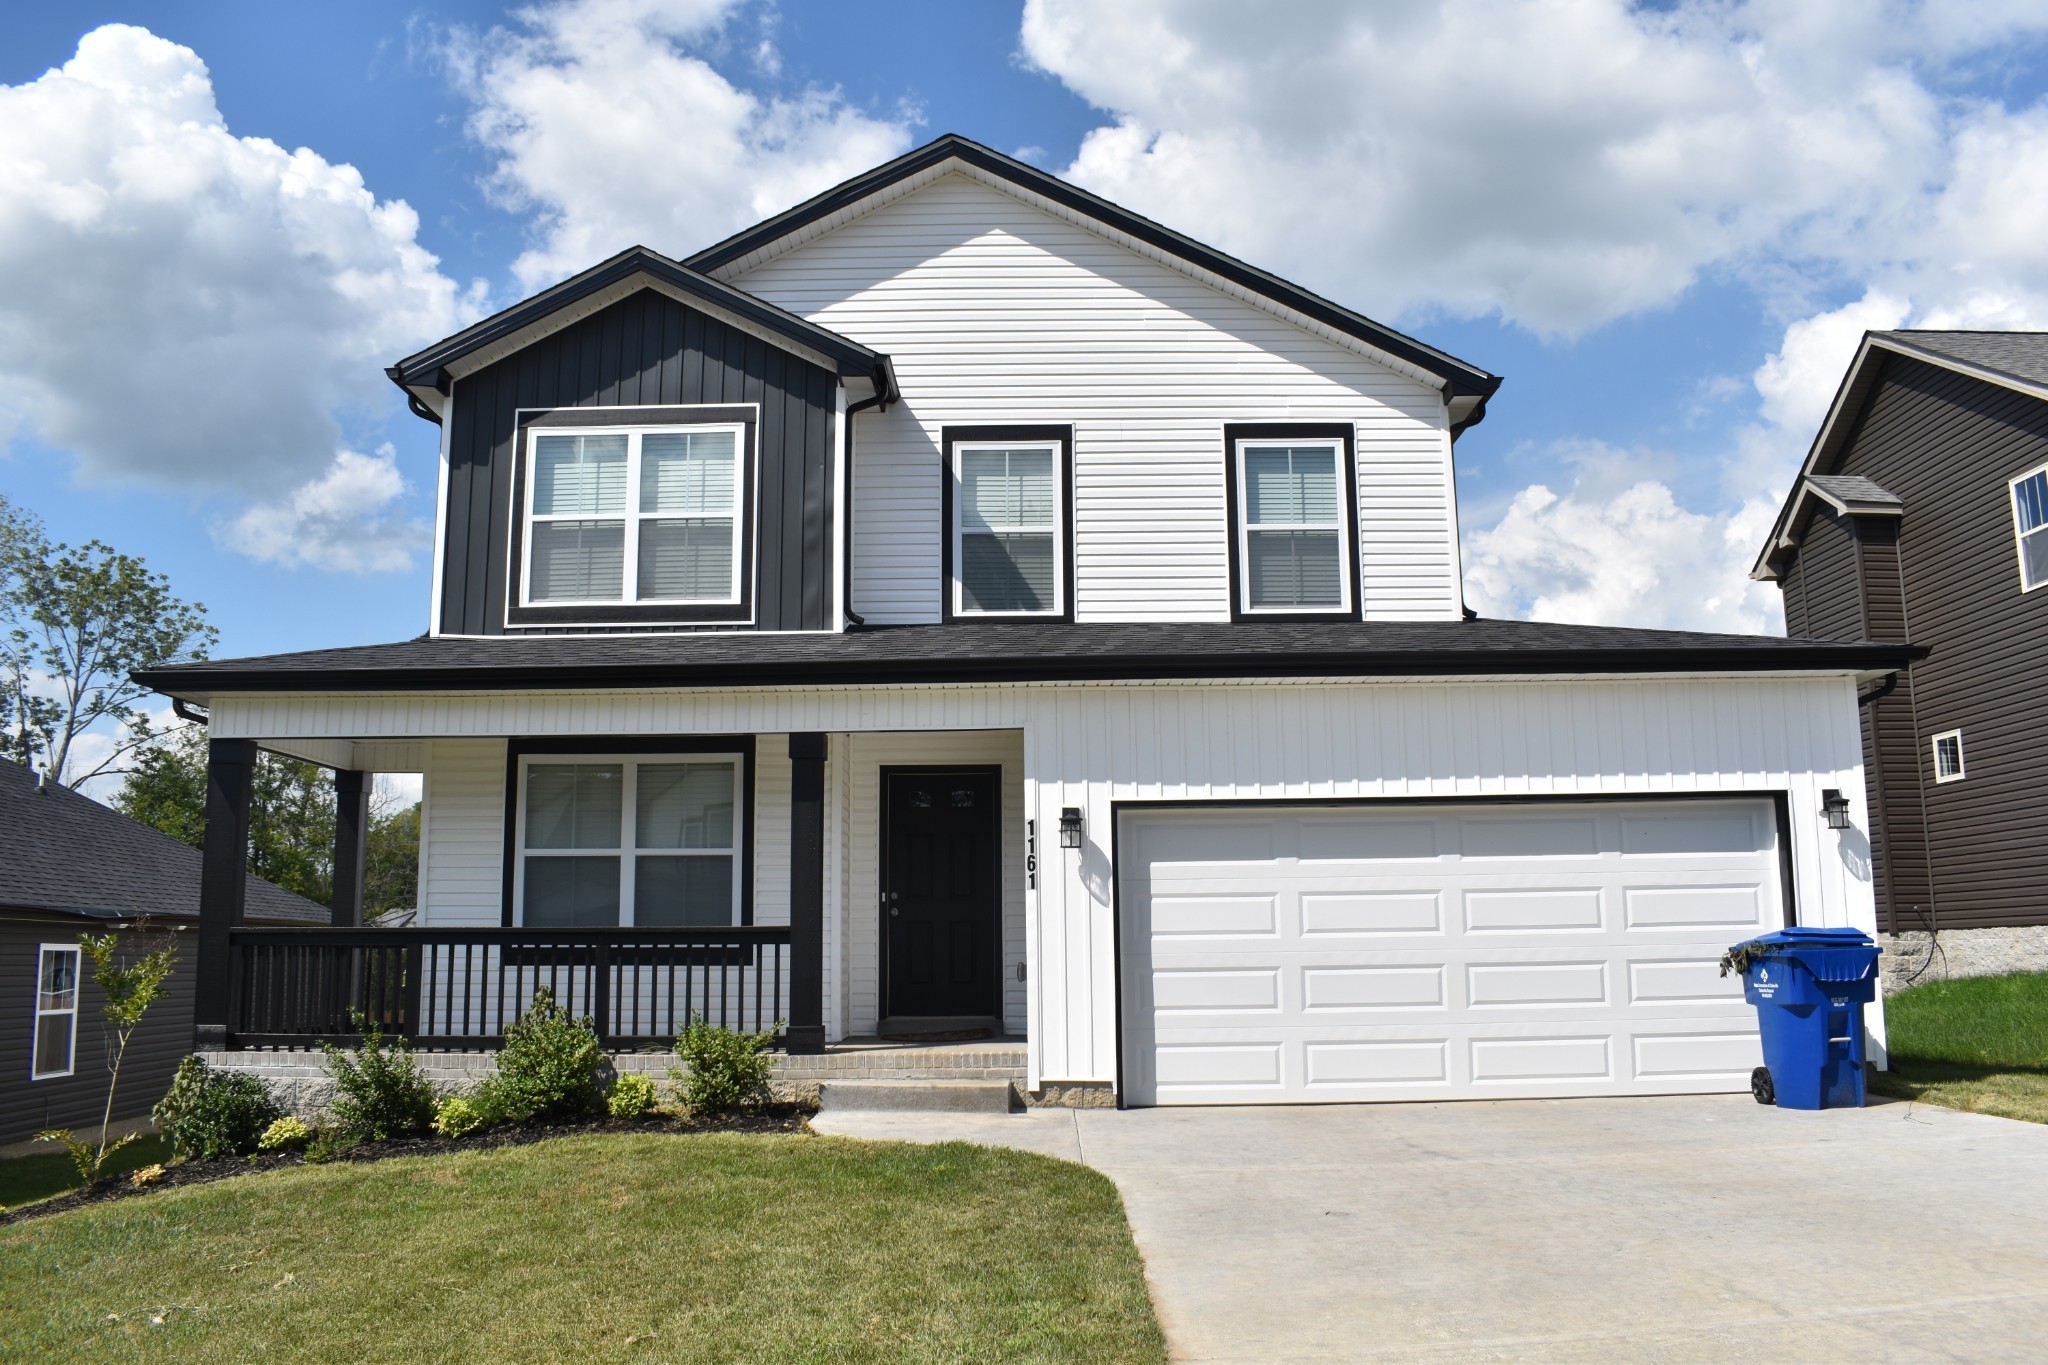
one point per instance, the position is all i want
(1801, 937)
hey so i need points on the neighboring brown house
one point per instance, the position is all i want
(70, 866)
(1922, 513)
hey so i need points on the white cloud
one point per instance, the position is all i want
(184, 306)
(612, 129)
(349, 519)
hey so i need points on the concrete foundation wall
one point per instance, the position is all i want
(1961, 952)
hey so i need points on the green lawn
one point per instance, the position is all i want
(1979, 1043)
(631, 1247)
(25, 1179)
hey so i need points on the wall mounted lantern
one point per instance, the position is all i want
(1835, 807)
(1070, 827)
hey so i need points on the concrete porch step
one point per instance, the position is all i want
(970, 1097)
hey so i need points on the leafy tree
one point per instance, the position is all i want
(392, 881)
(74, 623)
(129, 989)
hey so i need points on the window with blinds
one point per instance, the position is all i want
(634, 516)
(2030, 525)
(1006, 529)
(610, 841)
(1292, 526)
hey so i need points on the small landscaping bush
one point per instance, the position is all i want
(381, 1093)
(287, 1134)
(725, 1069)
(456, 1117)
(549, 1068)
(208, 1113)
(632, 1096)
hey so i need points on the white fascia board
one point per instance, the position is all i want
(611, 294)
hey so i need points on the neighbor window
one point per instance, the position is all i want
(56, 1026)
(1293, 532)
(2030, 525)
(1008, 533)
(630, 841)
(648, 515)
(1948, 756)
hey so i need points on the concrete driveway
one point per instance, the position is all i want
(1636, 1229)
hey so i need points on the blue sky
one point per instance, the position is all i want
(1665, 227)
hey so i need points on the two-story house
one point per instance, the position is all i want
(959, 602)
(1922, 510)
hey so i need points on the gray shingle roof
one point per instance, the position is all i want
(63, 851)
(1012, 652)
(2023, 355)
(1854, 490)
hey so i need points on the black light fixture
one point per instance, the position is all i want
(1070, 827)
(1835, 807)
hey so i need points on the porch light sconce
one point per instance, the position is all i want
(1070, 827)
(1835, 807)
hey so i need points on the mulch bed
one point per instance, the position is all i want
(767, 1118)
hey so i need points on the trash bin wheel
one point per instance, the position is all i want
(1761, 1087)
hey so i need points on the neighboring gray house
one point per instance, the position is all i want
(70, 866)
(957, 602)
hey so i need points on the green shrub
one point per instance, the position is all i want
(455, 1117)
(725, 1069)
(208, 1113)
(549, 1069)
(284, 1135)
(380, 1092)
(632, 1096)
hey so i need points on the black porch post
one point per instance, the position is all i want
(351, 846)
(223, 884)
(807, 893)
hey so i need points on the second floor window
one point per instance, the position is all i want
(1007, 538)
(1292, 544)
(2030, 524)
(634, 516)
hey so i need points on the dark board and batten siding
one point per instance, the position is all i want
(646, 351)
(1946, 444)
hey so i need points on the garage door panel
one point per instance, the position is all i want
(1454, 976)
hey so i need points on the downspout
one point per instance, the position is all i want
(883, 386)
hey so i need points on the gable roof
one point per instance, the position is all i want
(68, 853)
(1459, 379)
(2012, 360)
(429, 372)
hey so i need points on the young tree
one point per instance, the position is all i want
(74, 623)
(129, 989)
(392, 881)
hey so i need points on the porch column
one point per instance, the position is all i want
(351, 846)
(223, 884)
(807, 893)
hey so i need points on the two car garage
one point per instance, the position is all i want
(1440, 950)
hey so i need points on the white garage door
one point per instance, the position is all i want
(1295, 954)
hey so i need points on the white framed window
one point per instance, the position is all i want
(1293, 534)
(1948, 756)
(629, 840)
(2030, 527)
(55, 1045)
(1008, 532)
(634, 515)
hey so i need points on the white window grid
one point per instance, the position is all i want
(1244, 527)
(44, 953)
(1948, 756)
(1056, 527)
(632, 516)
(626, 851)
(2029, 498)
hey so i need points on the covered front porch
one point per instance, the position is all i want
(834, 887)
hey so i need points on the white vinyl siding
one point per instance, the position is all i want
(993, 310)
(54, 1047)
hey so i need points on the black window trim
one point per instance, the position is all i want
(1344, 432)
(747, 415)
(1061, 434)
(635, 745)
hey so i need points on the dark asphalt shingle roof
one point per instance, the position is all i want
(63, 851)
(2023, 355)
(1013, 652)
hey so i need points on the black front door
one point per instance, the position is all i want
(940, 892)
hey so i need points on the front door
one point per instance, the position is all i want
(941, 904)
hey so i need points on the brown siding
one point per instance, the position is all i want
(78, 1100)
(647, 350)
(1948, 445)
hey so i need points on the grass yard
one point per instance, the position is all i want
(593, 1247)
(1979, 1043)
(25, 1179)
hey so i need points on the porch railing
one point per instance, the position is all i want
(461, 988)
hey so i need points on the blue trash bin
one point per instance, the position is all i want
(1809, 987)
